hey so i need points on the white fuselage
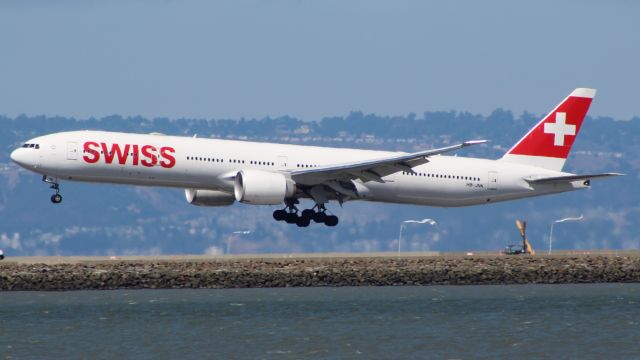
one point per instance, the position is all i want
(199, 163)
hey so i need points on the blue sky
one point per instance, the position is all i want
(310, 59)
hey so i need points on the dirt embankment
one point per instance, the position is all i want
(347, 271)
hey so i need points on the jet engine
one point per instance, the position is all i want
(262, 187)
(208, 197)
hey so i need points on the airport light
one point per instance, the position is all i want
(235, 234)
(560, 221)
(423, 221)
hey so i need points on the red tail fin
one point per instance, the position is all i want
(548, 143)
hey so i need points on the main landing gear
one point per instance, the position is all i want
(55, 198)
(317, 214)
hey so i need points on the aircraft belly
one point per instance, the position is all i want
(133, 175)
(426, 194)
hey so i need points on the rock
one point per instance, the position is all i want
(297, 272)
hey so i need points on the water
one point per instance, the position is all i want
(441, 322)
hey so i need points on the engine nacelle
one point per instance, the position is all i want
(262, 187)
(202, 197)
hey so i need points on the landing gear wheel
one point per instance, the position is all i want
(279, 215)
(291, 218)
(308, 214)
(303, 221)
(291, 215)
(56, 198)
(319, 217)
(331, 220)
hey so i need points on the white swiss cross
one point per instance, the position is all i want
(559, 129)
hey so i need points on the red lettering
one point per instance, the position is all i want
(146, 155)
(168, 160)
(136, 155)
(92, 155)
(148, 151)
(115, 150)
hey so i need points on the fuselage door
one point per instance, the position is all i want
(492, 180)
(72, 150)
(282, 162)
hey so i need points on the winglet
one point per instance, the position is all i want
(474, 142)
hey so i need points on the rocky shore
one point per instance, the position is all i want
(304, 272)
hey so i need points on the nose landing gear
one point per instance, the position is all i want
(55, 198)
(317, 214)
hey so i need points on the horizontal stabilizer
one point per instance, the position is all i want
(570, 178)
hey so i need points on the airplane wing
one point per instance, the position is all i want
(372, 170)
(570, 178)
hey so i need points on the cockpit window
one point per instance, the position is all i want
(32, 146)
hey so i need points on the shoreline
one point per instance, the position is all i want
(76, 259)
(324, 270)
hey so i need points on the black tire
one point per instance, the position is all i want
(303, 221)
(291, 218)
(331, 220)
(308, 214)
(279, 215)
(56, 198)
(319, 217)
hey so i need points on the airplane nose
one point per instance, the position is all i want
(18, 156)
(14, 155)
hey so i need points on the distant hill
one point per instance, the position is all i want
(108, 219)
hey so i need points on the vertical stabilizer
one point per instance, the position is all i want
(548, 143)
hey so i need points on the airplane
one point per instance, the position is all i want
(217, 172)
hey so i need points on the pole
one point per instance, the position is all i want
(551, 236)
(400, 237)
(229, 239)
(559, 221)
(423, 221)
(236, 234)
